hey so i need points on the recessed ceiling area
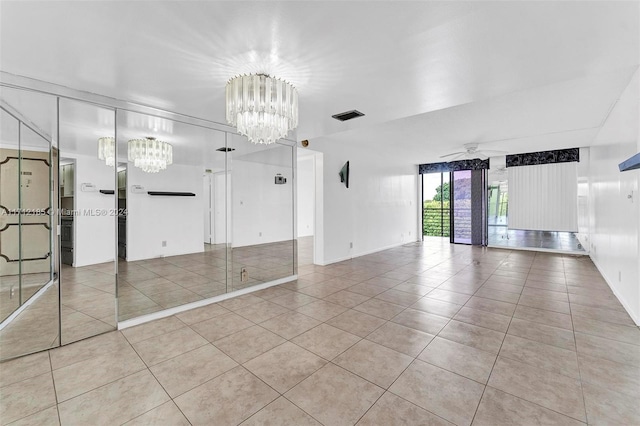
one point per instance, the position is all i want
(431, 76)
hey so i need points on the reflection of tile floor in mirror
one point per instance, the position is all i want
(35, 328)
(429, 333)
(152, 285)
(87, 308)
(10, 300)
(87, 301)
(501, 236)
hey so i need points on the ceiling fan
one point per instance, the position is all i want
(471, 151)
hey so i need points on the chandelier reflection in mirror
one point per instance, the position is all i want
(107, 150)
(150, 154)
(262, 108)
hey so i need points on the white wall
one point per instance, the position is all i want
(614, 223)
(154, 219)
(262, 211)
(376, 212)
(94, 235)
(614, 218)
(306, 195)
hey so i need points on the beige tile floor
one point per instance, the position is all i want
(426, 333)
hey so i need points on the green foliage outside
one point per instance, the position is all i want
(435, 213)
(436, 218)
(439, 192)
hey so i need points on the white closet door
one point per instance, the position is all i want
(544, 197)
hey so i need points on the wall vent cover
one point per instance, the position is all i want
(348, 115)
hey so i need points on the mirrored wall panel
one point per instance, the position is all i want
(28, 295)
(88, 213)
(262, 190)
(109, 214)
(172, 236)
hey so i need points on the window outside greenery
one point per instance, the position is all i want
(435, 212)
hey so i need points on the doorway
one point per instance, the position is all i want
(67, 210)
(435, 205)
(454, 205)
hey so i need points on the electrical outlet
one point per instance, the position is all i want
(244, 275)
(164, 244)
(259, 234)
(12, 292)
(620, 276)
(350, 245)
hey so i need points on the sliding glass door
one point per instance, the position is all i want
(454, 203)
(435, 205)
(461, 207)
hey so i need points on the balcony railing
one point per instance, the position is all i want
(435, 222)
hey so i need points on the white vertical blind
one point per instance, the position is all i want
(544, 197)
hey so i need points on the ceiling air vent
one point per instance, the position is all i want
(344, 116)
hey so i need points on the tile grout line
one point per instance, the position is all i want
(55, 392)
(166, 392)
(575, 342)
(495, 361)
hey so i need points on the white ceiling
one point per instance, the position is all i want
(430, 76)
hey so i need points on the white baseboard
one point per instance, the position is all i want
(624, 304)
(353, 256)
(200, 303)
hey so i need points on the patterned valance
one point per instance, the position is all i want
(453, 166)
(433, 168)
(544, 157)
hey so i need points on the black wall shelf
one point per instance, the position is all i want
(171, 194)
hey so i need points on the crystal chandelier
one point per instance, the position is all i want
(107, 151)
(262, 108)
(150, 154)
